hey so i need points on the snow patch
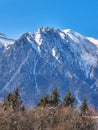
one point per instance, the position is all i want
(38, 38)
(87, 61)
(34, 72)
(69, 74)
(74, 35)
(54, 53)
(6, 42)
(93, 40)
(35, 46)
(62, 35)
(66, 30)
(39, 49)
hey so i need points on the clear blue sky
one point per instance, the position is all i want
(20, 16)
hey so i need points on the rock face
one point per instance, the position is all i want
(38, 62)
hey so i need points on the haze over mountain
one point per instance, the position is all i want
(48, 58)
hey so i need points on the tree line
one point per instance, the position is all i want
(50, 113)
(69, 101)
(14, 101)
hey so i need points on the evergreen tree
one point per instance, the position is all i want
(14, 101)
(8, 102)
(17, 101)
(45, 101)
(69, 99)
(54, 99)
(84, 106)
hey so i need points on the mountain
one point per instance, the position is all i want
(48, 58)
(5, 42)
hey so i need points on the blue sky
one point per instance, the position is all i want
(20, 16)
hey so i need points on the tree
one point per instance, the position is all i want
(54, 99)
(84, 106)
(45, 101)
(17, 101)
(8, 102)
(14, 101)
(69, 99)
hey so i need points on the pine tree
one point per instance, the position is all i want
(54, 99)
(17, 101)
(14, 101)
(45, 101)
(8, 102)
(84, 107)
(69, 99)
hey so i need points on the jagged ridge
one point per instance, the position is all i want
(38, 62)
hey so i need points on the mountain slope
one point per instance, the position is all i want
(5, 42)
(38, 62)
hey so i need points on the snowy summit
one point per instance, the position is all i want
(39, 61)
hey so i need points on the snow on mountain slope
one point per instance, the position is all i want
(6, 42)
(93, 40)
(37, 62)
(86, 51)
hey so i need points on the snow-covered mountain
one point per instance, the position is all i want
(5, 42)
(40, 61)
